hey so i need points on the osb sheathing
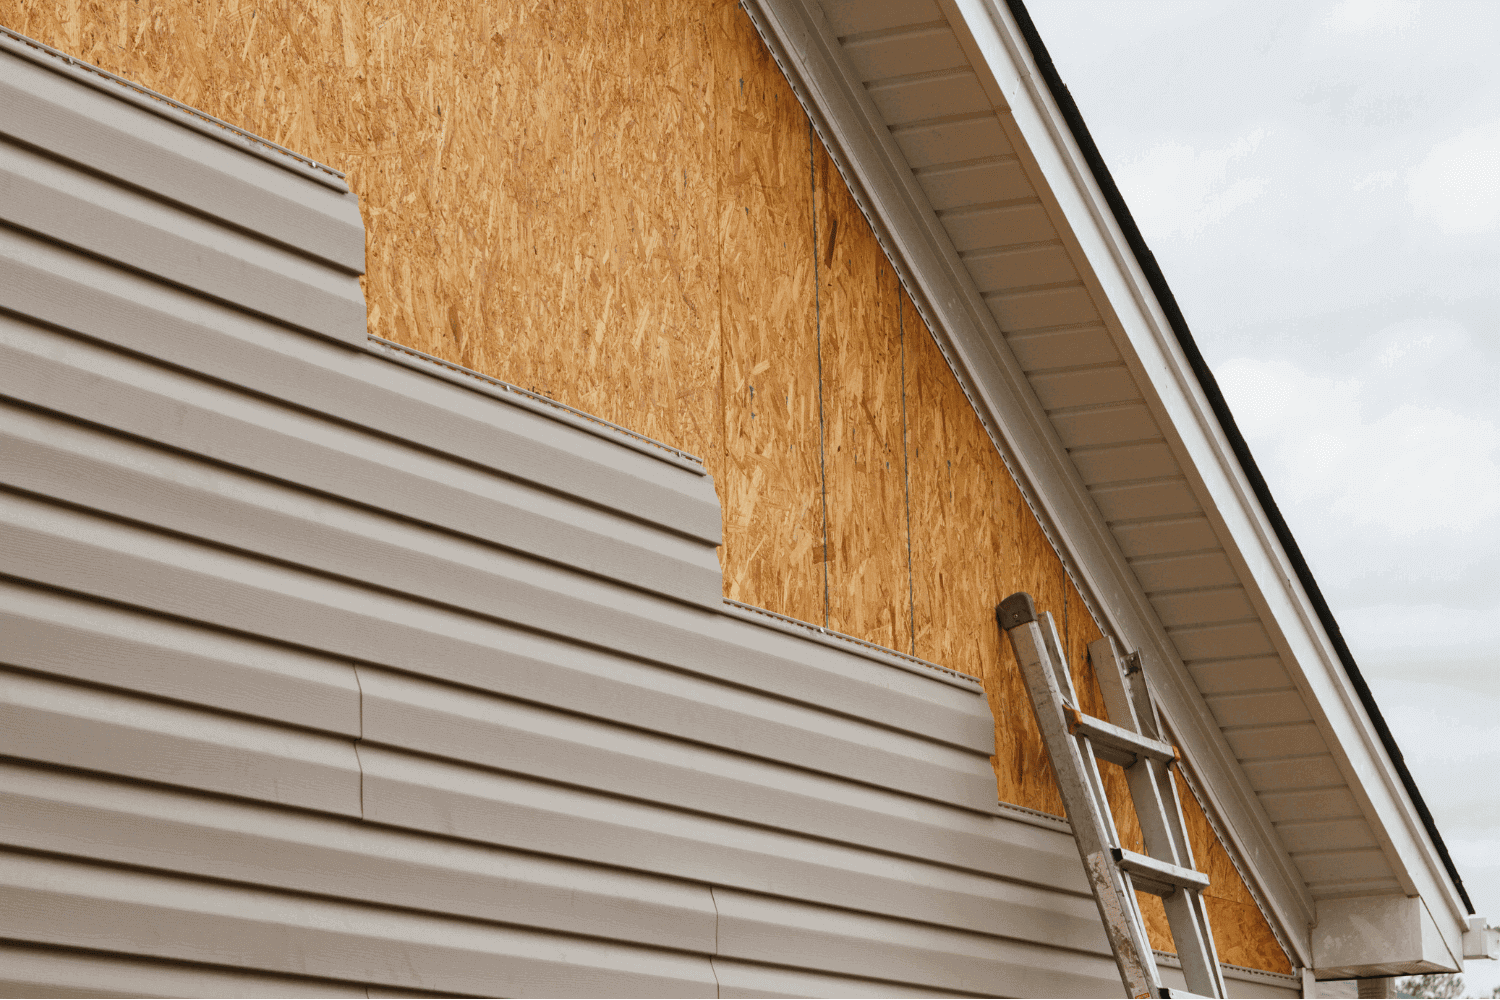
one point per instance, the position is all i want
(622, 206)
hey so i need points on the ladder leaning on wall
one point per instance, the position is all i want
(1073, 741)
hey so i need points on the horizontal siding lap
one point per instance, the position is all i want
(108, 221)
(61, 902)
(100, 133)
(258, 597)
(128, 824)
(33, 971)
(460, 801)
(765, 929)
(97, 730)
(125, 478)
(98, 643)
(511, 736)
(323, 672)
(754, 979)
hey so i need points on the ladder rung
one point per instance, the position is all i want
(1158, 877)
(1114, 743)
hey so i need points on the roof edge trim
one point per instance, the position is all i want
(1146, 260)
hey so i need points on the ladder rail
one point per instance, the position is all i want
(1073, 742)
(1159, 809)
(1093, 834)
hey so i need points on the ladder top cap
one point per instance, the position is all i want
(1015, 611)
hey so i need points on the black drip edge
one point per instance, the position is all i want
(1210, 386)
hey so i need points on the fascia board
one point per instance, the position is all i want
(802, 42)
(1145, 339)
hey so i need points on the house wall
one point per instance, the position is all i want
(624, 208)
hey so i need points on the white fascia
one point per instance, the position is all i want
(1145, 339)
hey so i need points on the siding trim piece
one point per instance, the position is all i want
(849, 644)
(174, 111)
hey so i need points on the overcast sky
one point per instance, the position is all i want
(1320, 181)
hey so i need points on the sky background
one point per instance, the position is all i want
(1320, 182)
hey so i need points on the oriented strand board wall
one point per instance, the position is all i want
(623, 207)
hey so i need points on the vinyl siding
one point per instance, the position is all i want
(330, 671)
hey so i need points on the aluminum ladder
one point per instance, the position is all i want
(1073, 742)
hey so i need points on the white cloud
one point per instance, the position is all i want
(1450, 737)
(1408, 470)
(1178, 191)
(1372, 16)
(1458, 184)
(1379, 180)
(1404, 629)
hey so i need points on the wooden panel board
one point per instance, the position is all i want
(770, 477)
(974, 541)
(1241, 932)
(867, 572)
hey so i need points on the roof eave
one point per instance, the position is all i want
(1182, 363)
(1183, 394)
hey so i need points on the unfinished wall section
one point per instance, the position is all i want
(623, 207)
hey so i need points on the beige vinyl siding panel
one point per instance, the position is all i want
(333, 671)
(40, 971)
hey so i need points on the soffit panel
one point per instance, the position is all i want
(917, 77)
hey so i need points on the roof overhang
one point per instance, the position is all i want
(991, 201)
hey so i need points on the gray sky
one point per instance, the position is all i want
(1321, 183)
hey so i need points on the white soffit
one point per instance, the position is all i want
(935, 114)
